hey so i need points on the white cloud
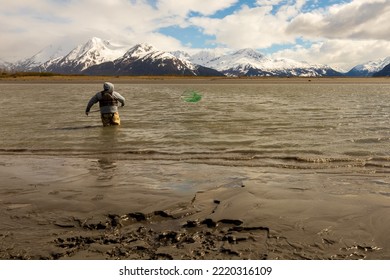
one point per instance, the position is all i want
(204, 7)
(278, 22)
(340, 53)
(38, 23)
(355, 20)
(345, 34)
(268, 2)
(247, 27)
(341, 34)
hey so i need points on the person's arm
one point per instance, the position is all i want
(91, 102)
(120, 98)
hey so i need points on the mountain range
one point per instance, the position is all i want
(144, 59)
(369, 69)
(101, 57)
(385, 72)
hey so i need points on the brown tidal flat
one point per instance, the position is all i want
(71, 216)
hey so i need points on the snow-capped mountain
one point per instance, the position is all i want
(181, 55)
(144, 59)
(35, 62)
(249, 62)
(369, 68)
(4, 65)
(385, 72)
(204, 56)
(95, 51)
(238, 60)
(99, 57)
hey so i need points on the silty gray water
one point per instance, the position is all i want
(278, 125)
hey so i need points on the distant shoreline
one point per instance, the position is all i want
(190, 80)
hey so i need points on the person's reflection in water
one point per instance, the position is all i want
(108, 141)
(108, 146)
(104, 171)
(107, 168)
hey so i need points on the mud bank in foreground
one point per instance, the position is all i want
(68, 208)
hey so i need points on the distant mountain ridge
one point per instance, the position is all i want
(95, 51)
(144, 59)
(385, 72)
(4, 65)
(249, 62)
(369, 68)
(101, 57)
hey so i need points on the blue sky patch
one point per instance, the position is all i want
(190, 36)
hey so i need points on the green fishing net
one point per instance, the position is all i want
(191, 96)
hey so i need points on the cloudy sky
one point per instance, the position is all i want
(340, 33)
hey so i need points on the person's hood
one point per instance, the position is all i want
(108, 87)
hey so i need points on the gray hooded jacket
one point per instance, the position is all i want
(98, 97)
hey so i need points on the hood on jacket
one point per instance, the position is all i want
(109, 87)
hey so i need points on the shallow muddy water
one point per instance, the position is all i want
(312, 162)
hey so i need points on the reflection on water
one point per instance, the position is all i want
(106, 170)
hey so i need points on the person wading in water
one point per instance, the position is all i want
(108, 101)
